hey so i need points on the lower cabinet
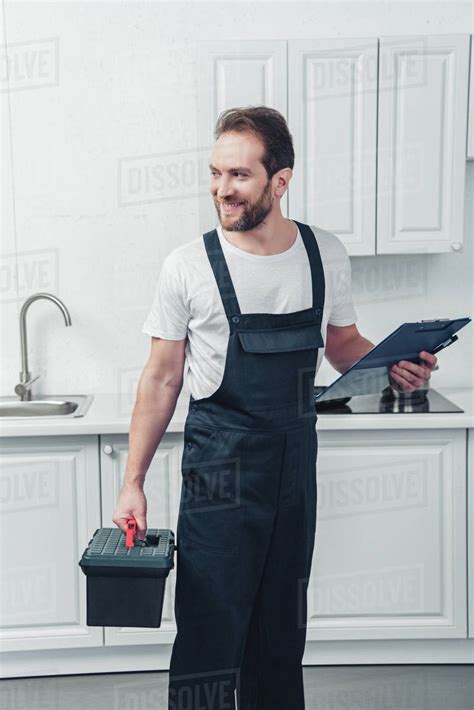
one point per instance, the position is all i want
(470, 528)
(390, 557)
(390, 551)
(50, 505)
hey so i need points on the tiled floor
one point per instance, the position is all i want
(327, 688)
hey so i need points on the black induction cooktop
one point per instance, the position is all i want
(388, 402)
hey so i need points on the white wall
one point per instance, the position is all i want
(95, 83)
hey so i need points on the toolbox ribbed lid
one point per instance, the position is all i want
(107, 549)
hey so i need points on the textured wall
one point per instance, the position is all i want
(94, 85)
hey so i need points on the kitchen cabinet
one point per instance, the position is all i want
(391, 561)
(421, 158)
(390, 552)
(332, 112)
(470, 531)
(470, 128)
(230, 74)
(50, 505)
(378, 125)
(162, 489)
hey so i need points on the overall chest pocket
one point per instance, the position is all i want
(305, 336)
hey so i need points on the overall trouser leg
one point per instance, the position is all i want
(216, 589)
(271, 671)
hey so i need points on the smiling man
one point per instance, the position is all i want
(247, 311)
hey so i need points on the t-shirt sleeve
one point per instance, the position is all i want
(169, 315)
(342, 311)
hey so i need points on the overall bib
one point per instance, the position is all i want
(247, 519)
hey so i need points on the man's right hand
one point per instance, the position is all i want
(131, 503)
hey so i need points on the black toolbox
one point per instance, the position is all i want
(126, 576)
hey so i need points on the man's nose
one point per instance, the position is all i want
(224, 189)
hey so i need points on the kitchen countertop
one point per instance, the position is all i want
(110, 414)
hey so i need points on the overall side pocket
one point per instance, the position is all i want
(210, 516)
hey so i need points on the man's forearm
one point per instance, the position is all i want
(154, 407)
(350, 352)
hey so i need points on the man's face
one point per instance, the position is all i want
(242, 193)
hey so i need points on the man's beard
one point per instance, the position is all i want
(251, 216)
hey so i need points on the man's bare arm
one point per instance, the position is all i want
(158, 390)
(345, 345)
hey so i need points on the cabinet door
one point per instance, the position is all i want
(470, 530)
(162, 490)
(390, 552)
(470, 127)
(50, 508)
(236, 74)
(332, 107)
(423, 87)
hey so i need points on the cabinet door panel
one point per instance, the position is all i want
(470, 530)
(470, 128)
(233, 74)
(50, 507)
(423, 88)
(390, 553)
(332, 116)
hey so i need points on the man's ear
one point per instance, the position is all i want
(282, 179)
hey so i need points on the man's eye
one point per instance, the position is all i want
(213, 173)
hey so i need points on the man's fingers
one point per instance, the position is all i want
(409, 375)
(429, 357)
(141, 527)
(414, 376)
(405, 378)
(401, 382)
(121, 523)
(420, 371)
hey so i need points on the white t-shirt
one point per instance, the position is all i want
(187, 302)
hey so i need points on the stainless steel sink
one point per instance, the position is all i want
(58, 406)
(26, 405)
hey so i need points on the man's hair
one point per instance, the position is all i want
(267, 124)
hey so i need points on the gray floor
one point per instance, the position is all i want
(327, 688)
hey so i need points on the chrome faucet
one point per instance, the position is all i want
(23, 388)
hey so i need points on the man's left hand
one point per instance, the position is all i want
(408, 376)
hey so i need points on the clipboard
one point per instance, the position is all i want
(370, 374)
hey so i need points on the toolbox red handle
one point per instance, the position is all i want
(131, 531)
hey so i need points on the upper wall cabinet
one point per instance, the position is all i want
(235, 74)
(470, 130)
(379, 130)
(332, 117)
(421, 148)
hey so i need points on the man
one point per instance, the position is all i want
(249, 308)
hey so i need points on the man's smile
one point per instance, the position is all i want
(231, 206)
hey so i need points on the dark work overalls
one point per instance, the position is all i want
(247, 519)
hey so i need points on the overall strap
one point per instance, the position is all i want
(317, 270)
(221, 272)
(224, 281)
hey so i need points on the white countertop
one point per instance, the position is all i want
(109, 414)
